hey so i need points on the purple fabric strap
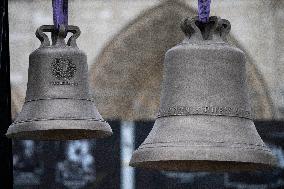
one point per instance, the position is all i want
(204, 10)
(60, 12)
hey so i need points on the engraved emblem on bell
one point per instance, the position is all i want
(63, 69)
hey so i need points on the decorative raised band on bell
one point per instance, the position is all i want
(204, 121)
(205, 110)
(58, 104)
(58, 118)
(91, 99)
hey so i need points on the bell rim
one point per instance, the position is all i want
(201, 166)
(170, 140)
(59, 130)
(185, 161)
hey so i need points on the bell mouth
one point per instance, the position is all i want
(201, 165)
(59, 130)
(212, 160)
(203, 143)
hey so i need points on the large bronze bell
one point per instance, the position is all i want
(58, 104)
(204, 122)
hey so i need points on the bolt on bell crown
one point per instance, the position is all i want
(204, 122)
(58, 103)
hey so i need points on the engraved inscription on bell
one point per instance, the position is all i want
(205, 110)
(63, 69)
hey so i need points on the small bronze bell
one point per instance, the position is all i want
(205, 121)
(58, 104)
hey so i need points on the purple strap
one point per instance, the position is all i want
(60, 12)
(204, 10)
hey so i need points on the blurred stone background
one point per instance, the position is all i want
(125, 41)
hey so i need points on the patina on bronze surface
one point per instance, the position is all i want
(205, 120)
(58, 104)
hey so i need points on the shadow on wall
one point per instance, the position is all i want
(127, 74)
